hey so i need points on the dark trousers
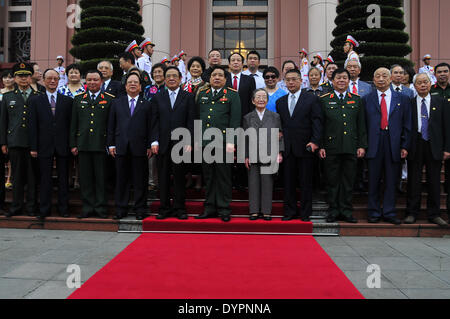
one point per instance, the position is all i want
(131, 170)
(2, 180)
(165, 168)
(92, 166)
(218, 188)
(382, 163)
(23, 172)
(340, 172)
(423, 157)
(46, 184)
(298, 169)
(447, 183)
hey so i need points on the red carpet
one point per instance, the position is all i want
(179, 266)
(240, 225)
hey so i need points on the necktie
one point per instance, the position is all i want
(132, 106)
(398, 89)
(292, 105)
(355, 89)
(25, 95)
(235, 84)
(172, 99)
(384, 114)
(341, 97)
(103, 87)
(53, 104)
(424, 117)
(93, 97)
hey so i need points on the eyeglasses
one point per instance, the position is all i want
(267, 77)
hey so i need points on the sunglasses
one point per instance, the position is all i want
(273, 77)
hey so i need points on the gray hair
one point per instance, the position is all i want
(259, 90)
(417, 75)
(109, 62)
(397, 66)
(312, 69)
(346, 63)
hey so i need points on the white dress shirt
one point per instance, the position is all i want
(129, 106)
(106, 83)
(297, 96)
(258, 76)
(49, 96)
(156, 143)
(387, 98)
(419, 110)
(238, 79)
(260, 114)
(95, 94)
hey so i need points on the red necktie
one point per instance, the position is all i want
(355, 90)
(235, 84)
(384, 113)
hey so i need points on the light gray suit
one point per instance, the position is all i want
(260, 186)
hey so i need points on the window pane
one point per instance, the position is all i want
(221, 3)
(232, 22)
(255, 3)
(219, 22)
(219, 39)
(263, 54)
(14, 3)
(231, 38)
(247, 22)
(248, 38)
(261, 39)
(17, 16)
(261, 22)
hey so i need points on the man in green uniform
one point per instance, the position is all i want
(14, 138)
(218, 107)
(344, 140)
(327, 86)
(88, 140)
(442, 89)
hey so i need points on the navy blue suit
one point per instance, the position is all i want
(130, 134)
(384, 149)
(49, 137)
(303, 127)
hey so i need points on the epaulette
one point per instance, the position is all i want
(232, 89)
(203, 88)
(113, 96)
(79, 94)
(351, 94)
(325, 95)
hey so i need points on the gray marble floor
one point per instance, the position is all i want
(34, 263)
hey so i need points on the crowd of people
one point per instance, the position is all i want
(333, 127)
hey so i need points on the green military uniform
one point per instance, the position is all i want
(344, 133)
(88, 134)
(221, 111)
(436, 90)
(327, 87)
(14, 134)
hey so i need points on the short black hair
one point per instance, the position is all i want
(73, 66)
(411, 72)
(289, 61)
(331, 63)
(197, 59)
(127, 56)
(158, 66)
(173, 68)
(95, 71)
(6, 73)
(340, 71)
(271, 69)
(131, 74)
(212, 50)
(217, 67)
(254, 52)
(296, 71)
(234, 53)
(441, 65)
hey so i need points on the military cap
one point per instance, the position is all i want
(303, 51)
(22, 69)
(353, 41)
(181, 53)
(426, 56)
(146, 42)
(133, 45)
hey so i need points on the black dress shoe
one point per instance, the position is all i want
(117, 217)
(392, 220)
(287, 218)
(139, 217)
(83, 216)
(306, 219)
(182, 216)
(32, 214)
(351, 220)
(41, 218)
(410, 219)
(374, 220)
(161, 216)
(267, 217)
(64, 215)
(102, 215)
(205, 216)
(254, 217)
(9, 214)
(226, 218)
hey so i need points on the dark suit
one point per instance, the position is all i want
(428, 153)
(384, 149)
(165, 119)
(303, 127)
(130, 135)
(246, 88)
(113, 88)
(49, 137)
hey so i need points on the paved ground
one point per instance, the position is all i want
(33, 263)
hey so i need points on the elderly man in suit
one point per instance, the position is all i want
(388, 118)
(398, 73)
(171, 109)
(430, 144)
(129, 129)
(110, 86)
(301, 119)
(50, 117)
(356, 86)
(260, 183)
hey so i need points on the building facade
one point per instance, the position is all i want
(41, 30)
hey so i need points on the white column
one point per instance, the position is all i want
(321, 16)
(156, 22)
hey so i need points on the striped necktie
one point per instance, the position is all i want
(424, 117)
(53, 104)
